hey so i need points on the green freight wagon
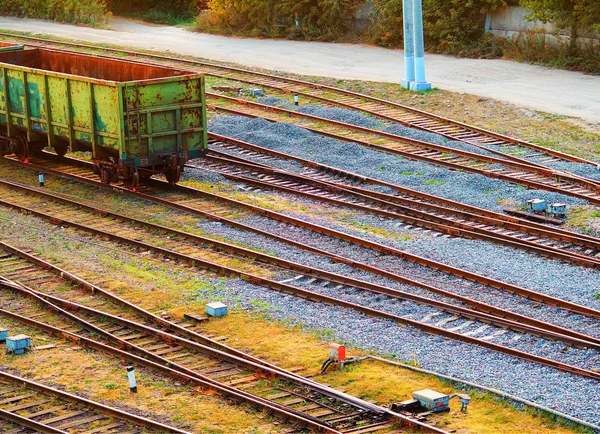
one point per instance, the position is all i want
(136, 120)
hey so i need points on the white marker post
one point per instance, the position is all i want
(409, 47)
(131, 377)
(420, 83)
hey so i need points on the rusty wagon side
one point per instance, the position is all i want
(135, 119)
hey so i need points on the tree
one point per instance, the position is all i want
(571, 15)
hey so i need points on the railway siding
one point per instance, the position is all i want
(320, 296)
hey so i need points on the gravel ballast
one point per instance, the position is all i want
(354, 117)
(473, 189)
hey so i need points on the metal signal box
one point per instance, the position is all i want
(557, 209)
(17, 344)
(432, 400)
(337, 352)
(536, 205)
(216, 309)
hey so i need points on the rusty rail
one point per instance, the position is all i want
(533, 295)
(150, 360)
(593, 189)
(39, 426)
(420, 218)
(312, 296)
(433, 202)
(482, 311)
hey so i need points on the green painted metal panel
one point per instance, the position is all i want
(165, 116)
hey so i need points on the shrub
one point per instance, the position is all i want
(450, 26)
(158, 11)
(89, 12)
(317, 19)
(535, 47)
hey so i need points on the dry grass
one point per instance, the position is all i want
(373, 380)
(103, 378)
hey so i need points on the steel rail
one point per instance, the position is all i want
(419, 218)
(428, 201)
(182, 372)
(189, 335)
(453, 166)
(441, 203)
(240, 358)
(435, 265)
(178, 375)
(29, 423)
(141, 352)
(489, 314)
(313, 296)
(553, 332)
(319, 87)
(168, 325)
(545, 173)
(80, 400)
(265, 371)
(420, 143)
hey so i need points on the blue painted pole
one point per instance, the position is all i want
(409, 46)
(420, 82)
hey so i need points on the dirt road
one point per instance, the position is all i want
(554, 91)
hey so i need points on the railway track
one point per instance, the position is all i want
(527, 175)
(30, 407)
(496, 143)
(178, 239)
(450, 318)
(91, 317)
(219, 208)
(425, 211)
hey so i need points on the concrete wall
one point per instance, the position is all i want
(510, 21)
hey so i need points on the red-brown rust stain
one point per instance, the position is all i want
(85, 66)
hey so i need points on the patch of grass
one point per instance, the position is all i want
(434, 182)
(584, 218)
(103, 378)
(379, 232)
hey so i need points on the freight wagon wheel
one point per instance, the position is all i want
(173, 175)
(61, 149)
(132, 183)
(22, 151)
